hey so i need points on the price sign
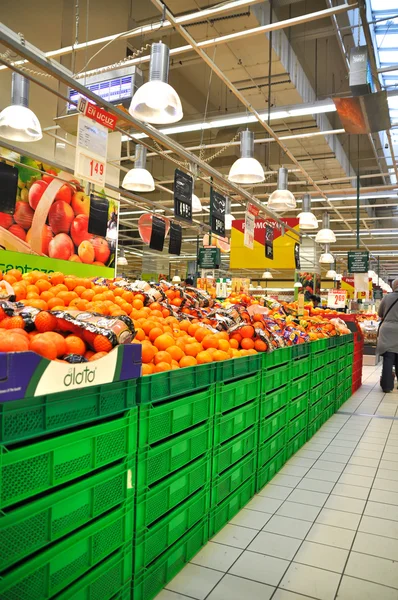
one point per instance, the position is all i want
(250, 219)
(183, 185)
(91, 150)
(269, 241)
(337, 298)
(218, 205)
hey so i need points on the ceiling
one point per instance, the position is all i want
(291, 70)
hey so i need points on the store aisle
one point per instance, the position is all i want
(325, 527)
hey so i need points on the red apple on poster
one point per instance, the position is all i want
(61, 246)
(23, 215)
(49, 176)
(18, 231)
(6, 220)
(60, 217)
(81, 203)
(101, 249)
(79, 230)
(35, 193)
(46, 237)
(65, 194)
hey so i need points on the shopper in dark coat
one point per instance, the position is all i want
(387, 342)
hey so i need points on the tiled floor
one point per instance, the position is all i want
(325, 527)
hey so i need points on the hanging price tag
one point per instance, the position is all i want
(337, 298)
(91, 149)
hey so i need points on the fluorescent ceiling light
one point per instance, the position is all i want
(196, 204)
(267, 275)
(331, 274)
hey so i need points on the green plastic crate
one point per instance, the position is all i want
(318, 360)
(277, 358)
(317, 377)
(297, 406)
(153, 579)
(271, 425)
(315, 410)
(329, 398)
(156, 462)
(314, 426)
(340, 363)
(162, 420)
(52, 570)
(273, 379)
(223, 485)
(230, 424)
(39, 523)
(152, 542)
(329, 384)
(295, 444)
(268, 449)
(233, 394)
(154, 502)
(332, 354)
(32, 417)
(225, 455)
(100, 583)
(301, 367)
(348, 360)
(161, 386)
(226, 510)
(267, 472)
(297, 425)
(349, 349)
(238, 367)
(319, 345)
(299, 351)
(315, 394)
(300, 386)
(272, 402)
(348, 371)
(333, 341)
(340, 389)
(41, 466)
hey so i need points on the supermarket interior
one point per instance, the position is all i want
(199, 300)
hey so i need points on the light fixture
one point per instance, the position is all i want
(298, 284)
(246, 169)
(156, 101)
(326, 258)
(176, 279)
(325, 235)
(267, 275)
(17, 122)
(281, 199)
(139, 179)
(228, 221)
(331, 274)
(121, 259)
(307, 219)
(196, 204)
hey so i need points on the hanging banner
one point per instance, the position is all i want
(250, 218)
(94, 112)
(358, 262)
(269, 242)
(91, 151)
(337, 298)
(297, 255)
(283, 245)
(218, 206)
(347, 283)
(183, 186)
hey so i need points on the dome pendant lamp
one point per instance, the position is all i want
(307, 219)
(267, 275)
(17, 122)
(139, 179)
(121, 259)
(281, 199)
(156, 101)
(246, 169)
(325, 235)
(326, 258)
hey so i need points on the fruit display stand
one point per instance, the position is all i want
(108, 491)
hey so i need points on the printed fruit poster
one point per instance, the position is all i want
(52, 226)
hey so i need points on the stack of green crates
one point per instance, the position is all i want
(175, 442)
(235, 447)
(299, 395)
(322, 390)
(67, 511)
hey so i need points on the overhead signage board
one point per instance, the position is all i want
(358, 262)
(378, 294)
(218, 206)
(91, 151)
(103, 117)
(337, 298)
(183, 186)
(250, 219)
(209, 258)
(269, 241)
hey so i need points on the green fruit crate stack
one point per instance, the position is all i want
(101, 498)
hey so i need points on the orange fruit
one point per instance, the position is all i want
(247, 344)
(175, 352)
(139, 334)
(164, 341)
(58, 340)
(147, 369)
(162, 356)
(102, 344)
(137, 303)
(210, 341)
(204, 357)
(13, 342)
(44, 347)
(46, 296)
(14, 323)
(88, 354)
(35, 303)
(148, 352)
(201, 333)
(43, 285)
(20, 291)
(88, 295)
(223, 344)
(55, 303)
(162, 366)
(154, 333)
(15, 273)
(247, 331)
(75, 345)
(234, 344)
(45, 321)
(235, 336)
(188, 361)
(220, 355)
(97, 356)
(193, 349)
(260, 346)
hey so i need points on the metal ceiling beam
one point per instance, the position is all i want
(12, 41)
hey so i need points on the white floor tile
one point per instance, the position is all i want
(272, 544)
(383, 496)
(216, 556)
(294, 510)
(383, 511)
(322, 556)
(358, 470)
(371, 568)
(330, 476)
(194, 581)
(236, 588)
(307, 497)
(376, 545)
(359, 480)
(327, 465)
(357, 589)
(351, 505)
(232, 535)
(338, 518)
(293, 471)
(275, 491)
(286, 480)
(384, 527)
(315, 485)
(250, 518)
(261, 568)
(286, 595)
(286, 526)
(313, 582)
(351, 491)
(167, 595)
(387, 485)
(261, 504)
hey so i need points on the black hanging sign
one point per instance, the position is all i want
(269, 241)
(218, 206)
(8, 188)
(175, 240)
(183, 186)
(297, 255)
(158, 234)
(98, 215)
